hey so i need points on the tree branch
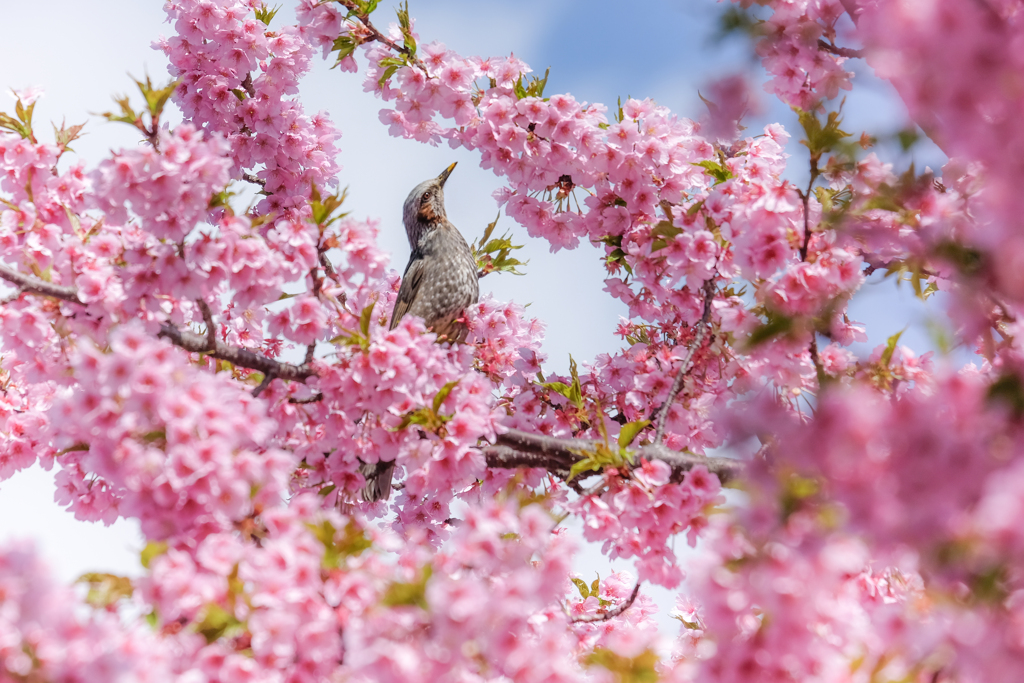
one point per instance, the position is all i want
(839, 51)
(684, 369)
(517, 448)
(610, 614)
(211, 328)
(190, 341)
(375, 34)
(250, 178)
(33, 285)
(243, 358)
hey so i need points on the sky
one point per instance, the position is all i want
(83, 53)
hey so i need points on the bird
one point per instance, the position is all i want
(440, 281)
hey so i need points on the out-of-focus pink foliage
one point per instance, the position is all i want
(875, 535)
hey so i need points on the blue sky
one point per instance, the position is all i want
(82, 53)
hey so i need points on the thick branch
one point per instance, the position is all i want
(516, 448)
(190, 341)
(197, 343)
(33, 285)
(612, 613)
(684, 369)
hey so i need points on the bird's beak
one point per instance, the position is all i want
(445, 173)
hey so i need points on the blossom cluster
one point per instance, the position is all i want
(875, 536)
(146, 435)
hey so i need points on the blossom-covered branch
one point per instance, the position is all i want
(34, 285)
(190, 341)
(516, 448)
(609, 614)
(684, 367)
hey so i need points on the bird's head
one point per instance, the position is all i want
(424, 207)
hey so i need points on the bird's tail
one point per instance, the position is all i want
(378, 480)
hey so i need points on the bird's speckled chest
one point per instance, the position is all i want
(449, 281)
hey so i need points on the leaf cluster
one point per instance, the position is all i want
(339, 545)
(430, 417)
(361, 337)
(325, 209)
(493, 254)
(410, 594)
(534, 86)
(617, 256)
(593, 590)
(21, 125)
(156, 99)
(105, 590)
(639, 669)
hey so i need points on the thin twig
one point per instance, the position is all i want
(249, 177)
(610, 614)
(13, 297)
(315, 398)
(267, 379)
(806, 198)
(684, 369)
(248, 86)
(375, 34)
(840, 51)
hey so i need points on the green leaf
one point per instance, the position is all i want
(890, 348)
(324, 210)
(967, 260)
(364, 319)
(1009, 391)
(391, 65)
(618, 256)
(595, 586)
(630, 430)
(351, 542)
(639, 669)
(777, 325)
(662, 234)
(217, 622)
(908, 137)
(386, 75)
(152, 550)
(492, 255)
(715, 169)
(344, 45)
(581, 586)
(443, 394)
(6, 121)
(403, 17)
(65, 135)
(266, 15)
(156, 98)
(575, 390)
(128, 115)
(821, 139)
(557, 387)
(106, 589)
(409, 594)
(597, 460)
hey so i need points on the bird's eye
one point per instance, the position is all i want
(426, 196)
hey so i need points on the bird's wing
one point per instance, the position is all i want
(410, 287)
